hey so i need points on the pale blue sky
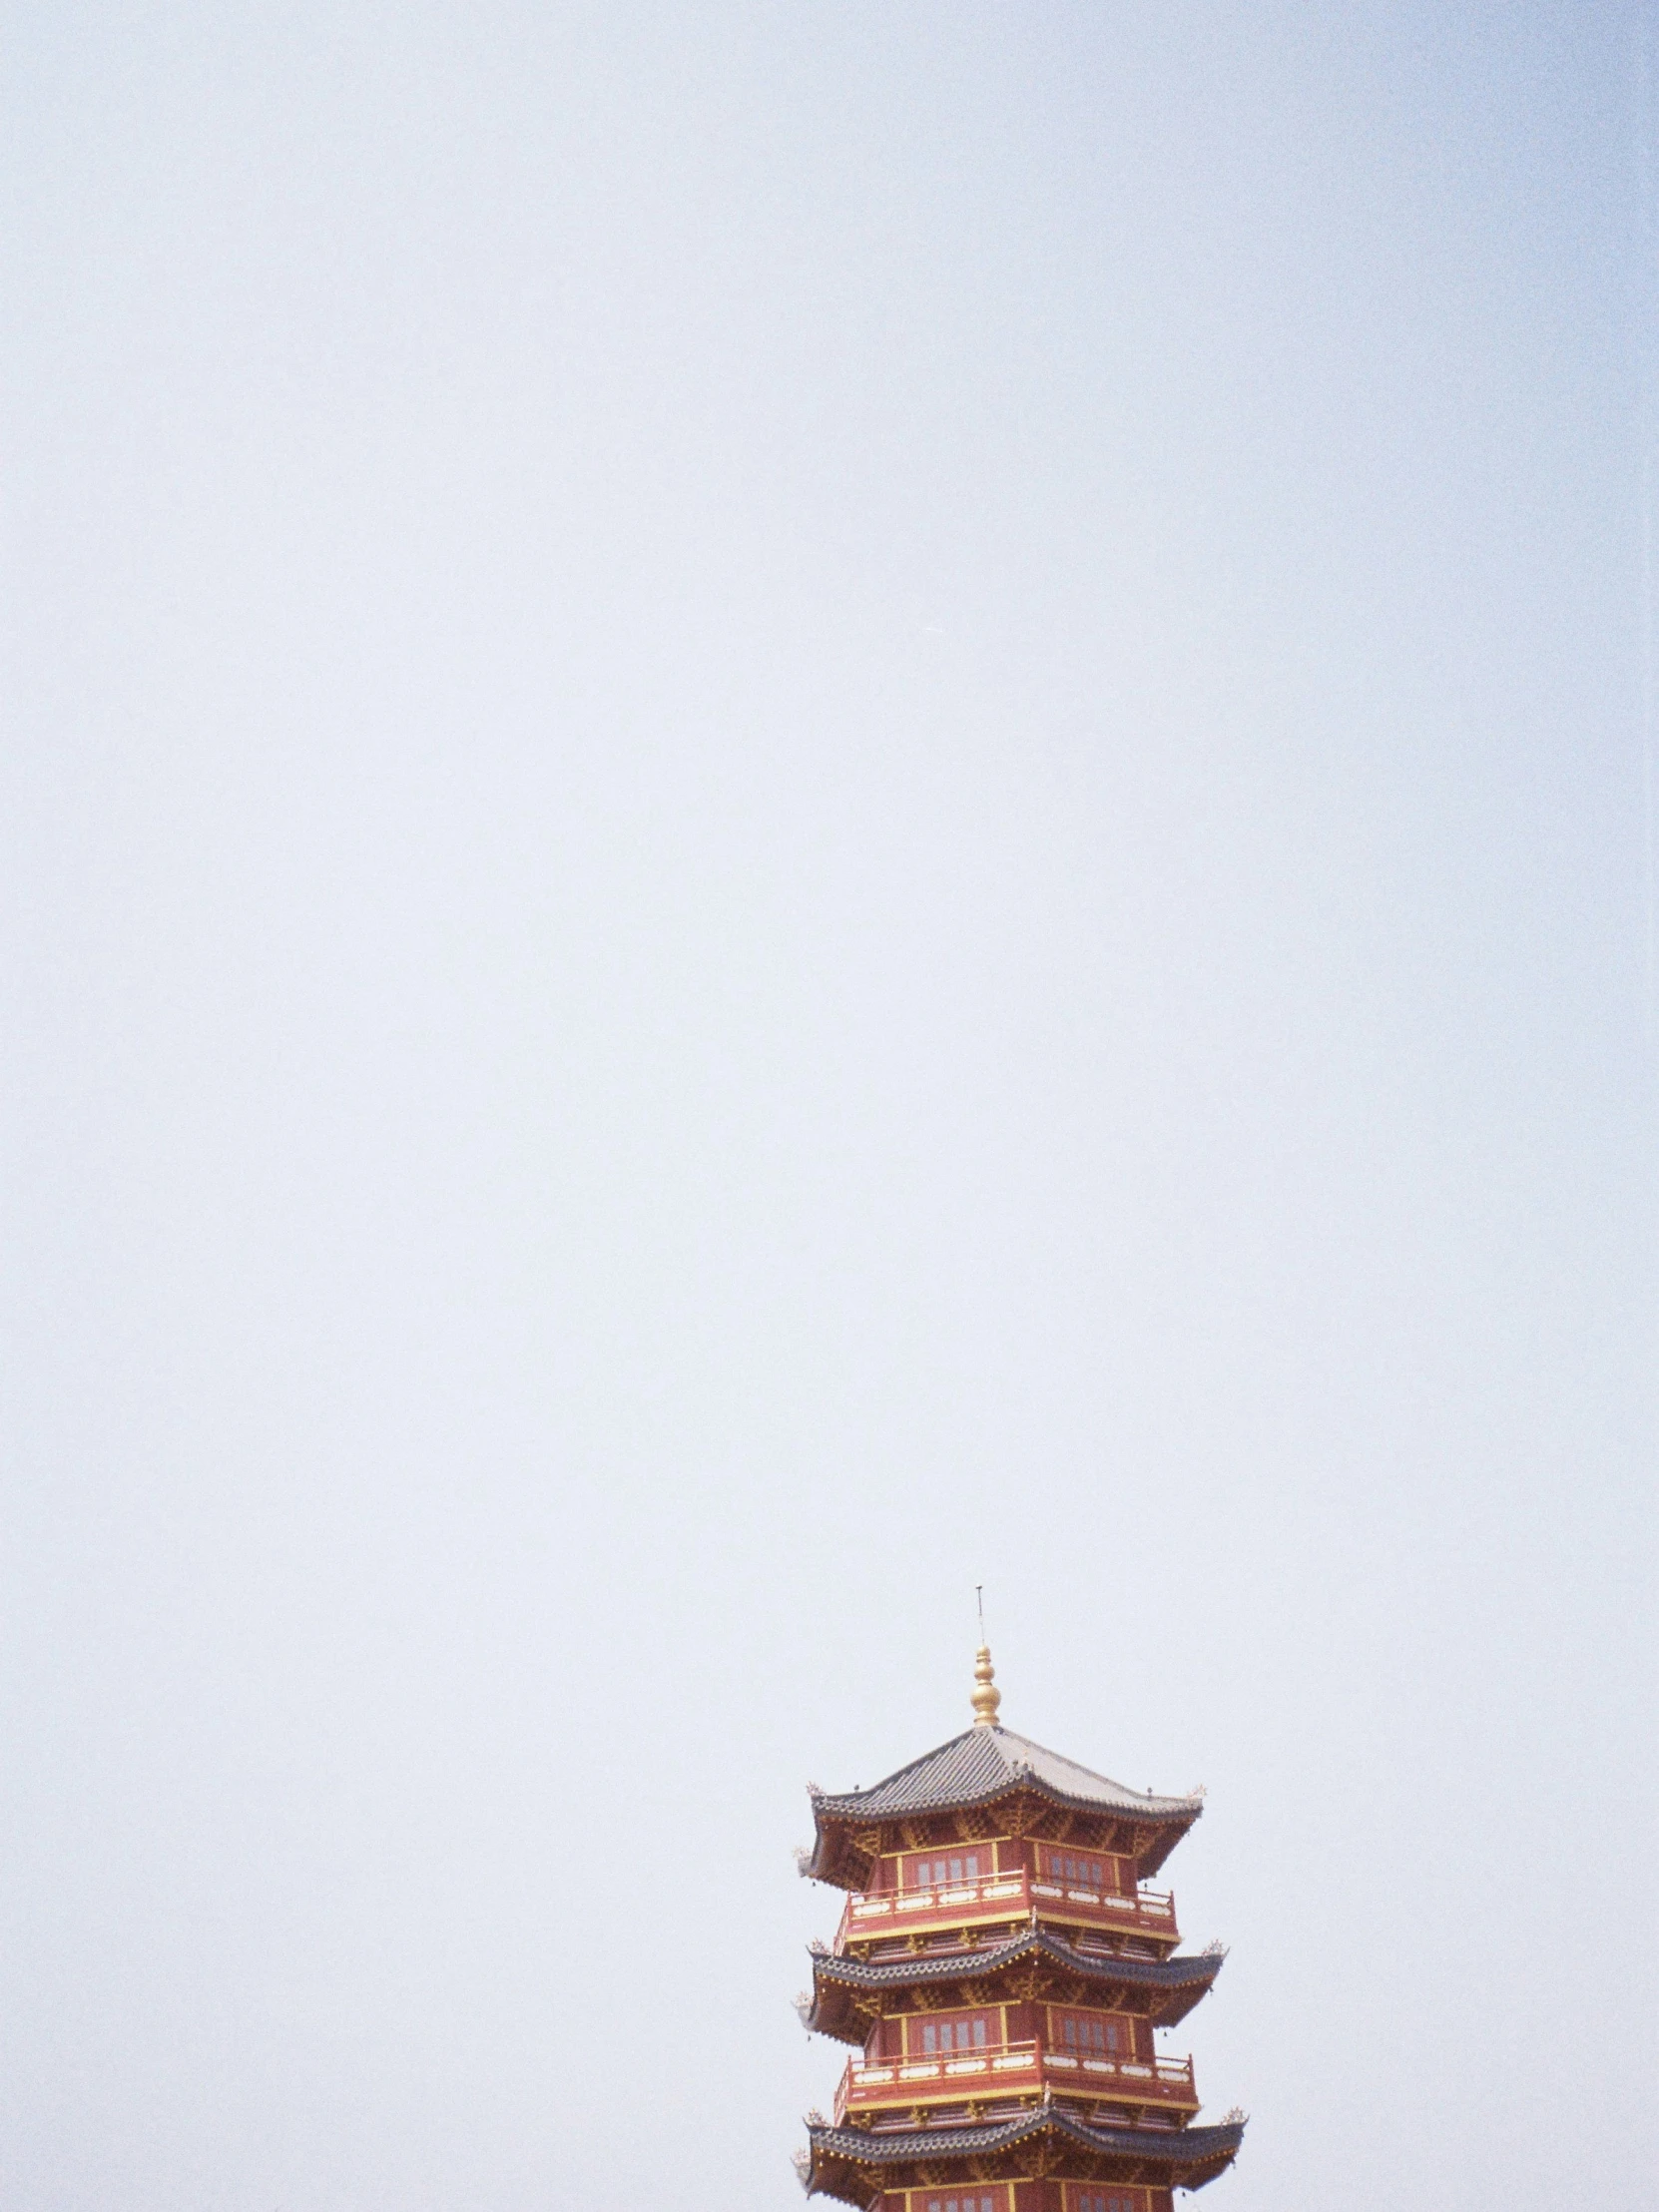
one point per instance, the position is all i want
(806, 803)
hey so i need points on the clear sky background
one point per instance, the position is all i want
(805, 803)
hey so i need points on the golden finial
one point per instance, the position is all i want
(986, 1696)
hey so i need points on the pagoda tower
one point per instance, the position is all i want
(1000, 1970)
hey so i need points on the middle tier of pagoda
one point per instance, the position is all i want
(1007, 2022)
(993, 2015)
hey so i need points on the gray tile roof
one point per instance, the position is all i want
(1181, 1972)
(1179, 1983)
(985, 1763)
(1186, 2145)
(1193, 2155)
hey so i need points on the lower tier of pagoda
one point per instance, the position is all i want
(1049, 2158)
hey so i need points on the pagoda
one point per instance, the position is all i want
(1000, 1969)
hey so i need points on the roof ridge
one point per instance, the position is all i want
(977, 1764)
(1065, 1759)
(833, 1797)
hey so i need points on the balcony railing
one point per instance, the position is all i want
(1008, 2069)
(885, 1914)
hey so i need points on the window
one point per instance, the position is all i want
(964, 2204)
(1096, 2032)
(1080, 1867)
(970, 2031)
(956, 1865)
(1107, 2200)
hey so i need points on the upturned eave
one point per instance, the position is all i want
(1173, 1987)
(853, 2165)
(981, 1768)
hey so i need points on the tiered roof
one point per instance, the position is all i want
(984, 1765)
(855, 2163)
(990, 1761)
(1063, 1974)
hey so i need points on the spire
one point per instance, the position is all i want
(986, 1696)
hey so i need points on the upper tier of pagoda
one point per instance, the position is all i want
(984, 1781)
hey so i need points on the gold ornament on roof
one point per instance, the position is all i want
(986, 1696)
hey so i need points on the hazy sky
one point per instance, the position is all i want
(804, 802)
